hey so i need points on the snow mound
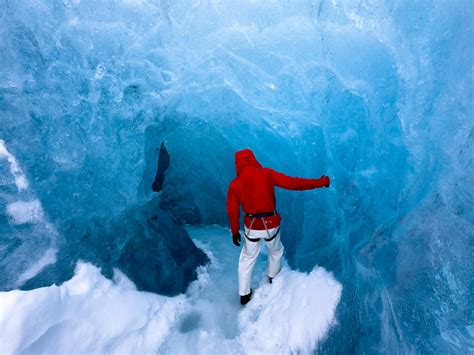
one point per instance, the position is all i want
(92, 314)
(292, 314)
(87, 314)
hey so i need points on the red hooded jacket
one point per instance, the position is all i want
(253, 188)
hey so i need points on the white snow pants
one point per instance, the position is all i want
(249, 254)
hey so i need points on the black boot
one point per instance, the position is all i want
(245, 299)
(270, 279)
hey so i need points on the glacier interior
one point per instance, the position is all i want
(119, 121)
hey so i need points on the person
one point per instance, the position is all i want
(254, 190)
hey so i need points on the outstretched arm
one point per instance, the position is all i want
(233, 211)
(296, 183)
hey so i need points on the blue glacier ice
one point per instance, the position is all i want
(376, 94)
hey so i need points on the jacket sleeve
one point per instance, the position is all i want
(233, 211)
(296, 183)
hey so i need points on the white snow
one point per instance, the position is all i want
(20, 179)
(91, 314)
(292, 314)
(87, 314)
(21, 212)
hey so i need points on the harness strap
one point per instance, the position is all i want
(265, 225)
(260, 215)
(266, 239)
(250, 228)
(252, 239)
(274, 235)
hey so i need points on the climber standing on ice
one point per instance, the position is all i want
(253, 189)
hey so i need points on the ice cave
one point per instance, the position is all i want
(119, 121)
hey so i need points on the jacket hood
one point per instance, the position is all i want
(244, 158)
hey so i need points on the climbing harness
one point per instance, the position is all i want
(261, 216)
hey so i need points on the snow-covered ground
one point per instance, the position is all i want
(90, 313)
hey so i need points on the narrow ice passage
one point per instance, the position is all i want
(293, 314)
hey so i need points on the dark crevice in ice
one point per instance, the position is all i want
(162, 166)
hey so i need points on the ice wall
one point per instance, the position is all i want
(83, 159)
(142, 240)
(376, 94)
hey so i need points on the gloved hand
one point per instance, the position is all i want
(325, 180)
(236, 239)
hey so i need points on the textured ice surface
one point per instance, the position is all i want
(91, 314)
(142, 241)
(376, 94)
(28, 240)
